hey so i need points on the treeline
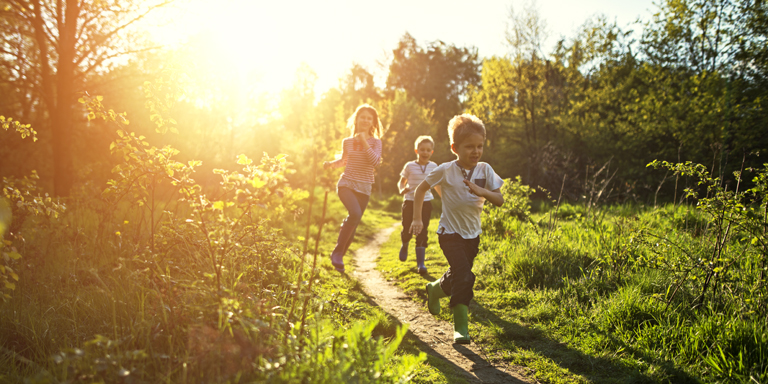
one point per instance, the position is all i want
(585, 118)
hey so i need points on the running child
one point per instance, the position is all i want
(466, 183)
(360, 153)
(413, 173)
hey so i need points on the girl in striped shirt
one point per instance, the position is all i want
(413, 173)
(360, 153)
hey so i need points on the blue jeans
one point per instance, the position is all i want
(458, 281)
(355, 202)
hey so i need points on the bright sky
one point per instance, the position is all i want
(274, 37)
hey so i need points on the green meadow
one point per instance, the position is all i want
(622, 293)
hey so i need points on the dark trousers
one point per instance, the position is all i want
(458, 281)
(426, 212)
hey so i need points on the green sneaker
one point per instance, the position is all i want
(434, 294)
(461, 324)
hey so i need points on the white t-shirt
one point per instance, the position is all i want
(462, 209)
(415, 173)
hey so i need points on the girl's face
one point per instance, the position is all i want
(364, 122)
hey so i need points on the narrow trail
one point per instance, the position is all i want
(468, 360)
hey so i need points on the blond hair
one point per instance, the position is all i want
(376, 128)
(463, 126)
(422, 139)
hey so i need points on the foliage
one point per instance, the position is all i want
(21, 198)
(735, 241)
(437, 76)
(577, 302)
(517, 206)
(350, 355)
(169, 279)
(56, 47)
(25, 130)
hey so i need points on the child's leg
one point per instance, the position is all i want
(355, 203)
(405, 234)
(458, 281)
(421, 239)
(362, 201)
(426, 212)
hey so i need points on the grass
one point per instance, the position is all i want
(573, 304)
(88, 313)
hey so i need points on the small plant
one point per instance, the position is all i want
(20, 199)
(735, 233)
(517, 206)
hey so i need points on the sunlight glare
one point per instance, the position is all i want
(237, 36)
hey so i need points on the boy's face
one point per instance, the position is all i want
(424, 150)
(470, 150)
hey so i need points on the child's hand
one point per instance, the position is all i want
(416, 227)
(474, 188)
(326, 164)
(404, 191)
(362, 136)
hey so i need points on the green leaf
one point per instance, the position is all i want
(258, 183)
(244, 160)
(218, 205)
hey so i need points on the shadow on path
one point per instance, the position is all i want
(475, 369)
(427, 334)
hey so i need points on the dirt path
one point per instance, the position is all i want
(468, 360)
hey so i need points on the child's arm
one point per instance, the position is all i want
(340, 162)
(495, 196)
(401, 185)
(418, 201)
(438, 190)
(374, 152)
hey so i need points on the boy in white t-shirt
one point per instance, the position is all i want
(465, 185)
(413, 173)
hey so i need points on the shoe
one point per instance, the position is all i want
(434, 294)
(338, 266)
(404, 252)
(420, 255)
(461, 324)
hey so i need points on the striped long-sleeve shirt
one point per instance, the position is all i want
(359, 162)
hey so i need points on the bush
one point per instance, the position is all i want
(517, 206)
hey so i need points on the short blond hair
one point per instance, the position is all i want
(463, 126)
(422, 139)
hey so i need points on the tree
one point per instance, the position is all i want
(520, 100)
(358, 87)
(53, 47)
(706, 71)
(437, 76)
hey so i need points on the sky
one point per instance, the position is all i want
(273, 38)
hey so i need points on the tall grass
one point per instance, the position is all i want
(159, 279)
(667, 289)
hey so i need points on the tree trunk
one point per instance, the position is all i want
(62, 119)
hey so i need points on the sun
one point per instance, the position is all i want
(238, 38)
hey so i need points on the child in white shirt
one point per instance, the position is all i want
(465, 185)
(413, 173)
